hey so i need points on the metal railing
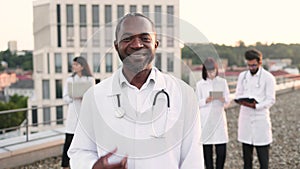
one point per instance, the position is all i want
(282, 82)
(25, 123)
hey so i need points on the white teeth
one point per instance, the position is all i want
(136, 55)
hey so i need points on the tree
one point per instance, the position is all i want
(16, 61)
(235, 55)
(16, 118)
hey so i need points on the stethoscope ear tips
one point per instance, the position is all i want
(119, 113)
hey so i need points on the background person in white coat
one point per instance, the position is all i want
(254, 125)
(149, 116)
(81, 73)
(213, 115)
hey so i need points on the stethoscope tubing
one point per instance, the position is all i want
(120, 113)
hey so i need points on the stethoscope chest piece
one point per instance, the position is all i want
(119, 113)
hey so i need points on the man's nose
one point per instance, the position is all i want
(136, 43)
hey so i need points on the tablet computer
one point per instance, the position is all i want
(249, 100)
(77, 89)
(216, 94)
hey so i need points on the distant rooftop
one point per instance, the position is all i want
(23, 84)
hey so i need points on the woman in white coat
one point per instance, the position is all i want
(72, 96)
(213, 95)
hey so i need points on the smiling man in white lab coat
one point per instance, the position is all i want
(140, 118)
(254, 126)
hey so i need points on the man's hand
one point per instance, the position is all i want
(102, 163)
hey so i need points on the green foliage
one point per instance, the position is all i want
(235, 55)
(16, 61)
(13, 119)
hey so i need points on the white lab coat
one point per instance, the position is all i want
(73, 104)
(254, 126)
(213, 115)
(100, 131)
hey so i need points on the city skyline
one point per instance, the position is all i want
(221, 22)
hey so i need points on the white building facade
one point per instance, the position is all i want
(64, 29)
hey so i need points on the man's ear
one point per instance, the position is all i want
(156, 43)
(116, 45)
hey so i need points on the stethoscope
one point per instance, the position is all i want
(258, 82)
(120, 112)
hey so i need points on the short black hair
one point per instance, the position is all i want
(118, 27)
(253, 54)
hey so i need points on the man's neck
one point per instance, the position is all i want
(138, 79)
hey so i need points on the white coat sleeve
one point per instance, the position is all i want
(92, 80)
(66, 96)
(83, 150)
(226, 94)
(239, 86)
(191, 149)
(200, 97)
(270, 94)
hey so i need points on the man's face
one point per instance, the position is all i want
(136, 44)
(253, 66)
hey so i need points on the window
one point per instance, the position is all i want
(83, 25)
(170, 39)
(58, 89)
(170, 62)
(46, 89)
(157, 18)
(120, 11)
(58, 25)
(158, 61)
(108, 62)
(132, 8)
(34, 116)
(159, 34)
(170, 26)
(59, 115)
(108, 14)
(58, 62)
(170, 16)
(70, 26)
(95, 26)
(96, 36)
(46, 116)
(96, 62)
(95, 15)
(70, 61)
(70, 14)
(108, 36)
(108, 26)
(82, 15)
(145, 10)
(158, 22)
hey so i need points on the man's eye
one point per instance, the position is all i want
(146, 39)
(126, 39)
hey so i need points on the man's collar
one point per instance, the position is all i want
(123, 81)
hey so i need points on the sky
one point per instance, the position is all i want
(221, 22)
